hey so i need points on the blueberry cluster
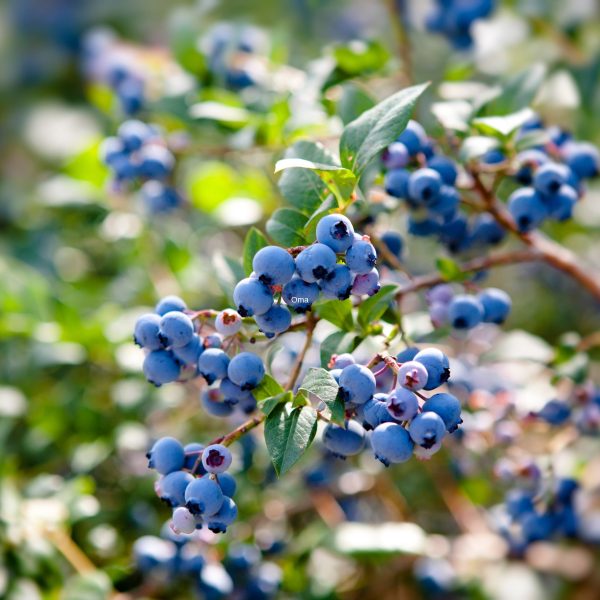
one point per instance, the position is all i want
(242, 574)
(403, 421)
(313, 273)
(194, 483)
(466, 311)
(138, 155)
(454, 19)
(426, 180)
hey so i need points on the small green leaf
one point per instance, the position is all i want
(288, 434)
(267, 406)
(475, 146)
(337, 343)
(449, 269)
(354, 101)
(337, 312)
(267, 389)
(376, 128)
(286, 227)
(504, 126)
(360, 56)
(373, 308)
(254, 241)
(321, 384)
(300, 399)
(328, 206)
(222, 113)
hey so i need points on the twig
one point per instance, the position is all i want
(310, 327)
(403, 40)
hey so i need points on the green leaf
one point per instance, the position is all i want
(453, 114)
(449, 269)
(328, 205)
(268, 388)
(503, 126)
(373, 308)
(222, 113)
(337, 343)
(254, 241)
(338, 312)
(360, 56)
(268, 405)
(531, 139)
(288, 434)
(300, 399)
(321, 384)
(475, 146)
(376, 128)
(353, 103)
(286, 227)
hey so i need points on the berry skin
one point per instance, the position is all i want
(396, 183)
(565, 489)
(445, 167)
(276, 320)
(344, 441)
(447, 407)
(192, 452)
(156, 161)
(406, 355)
(446, 202)
(183, 521)
(518, 503)
(537, 527)
(214, 403)
(228, 322)
(146, 332)
(338, 284)
(170, 303)
(228, 484)
(465, 312)
(252, 297)
(300, 295)
(111, 150)
(437, 365)
(412, 376)
(527, 209)
(424, 186)
(528, 160)
(166, 455)
(216, 458)
(555, 412)
(366, 284)
(583, 159)
(172, 487)
(176, 329)
(496, 305)
(315, 262)
(203, 496)
(232, 393)
(486, 230)
(225, 516)
(246, 370)
(413, 137)
(159, 198)
(340, 361)
(190, 353)
(160, 366)
(391, 443)
(335, 231)
(357, 384)
(213, 340)
(394, 243)
(402, 404)
(374, 411)
(133, 134)
(213, 364)
(561, 205)
(549, 177)
(427, 429)
(273, 265)
(361, 257)
(396, 156)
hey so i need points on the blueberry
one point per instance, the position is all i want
(213, 340)
(131, 95)
(151, 552)
(518, 503)
(228, 484)
(338, 284)
(366, 284)
(213, 364)
(203, 496)
(396, 183)
(192, 452)
(402, 404)
(340, 361)
(496, 305)
(273, 265)
(228, 322)
(424, 186)
(156, 162)
(445, 167)
(407, 354)
(133, 134)
(422, 227)
(170, 303)
(427, 429)
(374, 411)
(555, 412)
(161, 366)
(548, 178)
(361, 257)
(190, 353)
(445, 203)
(486, 230)
(111, 151)
(561, 205)
(224, 517)
(357, 384)
(233, 394)
(315, 262)
(412, 375)
(528, 161)
(437, 365)
(146, 332)
(493, 157)
(246, 370)
(537, 527)
(276, 320)
(172, 487)
(216, 458)
(465, 312)
(344, 441)
(335, 231)
(396, 156)
(252, 297)
(176, 329)
(565, 489)
(214, 403)
(394, 243)
(413, 137)
(447, 407)
(166, 455)
(300, 295)
(183, 520)
(159, 198)
(582, 158)
(442, 293)
(527, 209)
(391, 443)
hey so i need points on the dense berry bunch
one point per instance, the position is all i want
(454, 19)
(403, 421)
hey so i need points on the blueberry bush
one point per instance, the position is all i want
(300, 302)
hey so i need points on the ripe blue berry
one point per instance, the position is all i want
(396, 183)
(338, 284)
(339, 361)
(496, 305)
(486, 230)
(203, 496)
(445, 167)
(192, 452)
(213, 364)
(424, 186)
(159, 198)
(228, 484)
(528, 161)
(246, 370)
(366, 284)
(395, 156)
(232, 394)
(228, 322)
(357, 384)
(527, 209)
(183, 521)
(555, 412)
(465, 312)
(437, 365)
(549, 177)
(213, 340)
(361, 257)
(413, 137)
(537, 527)
(402, 404)
(446, 203)
(224, 517)
(582, 158)
(519, 503)
(190, 353)
(166, 455)
(300, 295)
(176, 329)
(344, 441)
(160, 366)
(170, 303)
(216, 458)
(315, 262)
(391, 443)
(273, 265)
(133, 134)
(427, 429)
(561, 205)
(111, 151)
(447, 407)
(412, 375)
(335, 231)
(374, 411)
(156, 162)
(394, 243)
(252, 297)
(407, 354)
(171, 487)
(146, 331)
(214, 403)
(276, 320)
